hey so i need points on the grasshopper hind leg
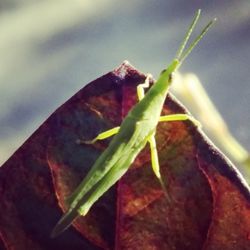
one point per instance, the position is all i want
(156, 165)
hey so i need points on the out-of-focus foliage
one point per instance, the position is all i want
(190, 90)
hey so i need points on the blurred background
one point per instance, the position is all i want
(50, 49)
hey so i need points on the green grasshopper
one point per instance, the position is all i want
(137, 129)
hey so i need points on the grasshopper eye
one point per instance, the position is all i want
(171, 77)
(162, 72)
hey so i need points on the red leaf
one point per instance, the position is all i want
(210, 202)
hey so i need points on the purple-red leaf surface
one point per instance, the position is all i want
(209, 205)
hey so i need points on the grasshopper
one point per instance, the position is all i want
(137, 129)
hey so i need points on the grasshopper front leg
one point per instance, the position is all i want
(180, 117)
(104, 135)
(108, 133)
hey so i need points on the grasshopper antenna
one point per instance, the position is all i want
(181, 54)
(197, 39)
(188, 34)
